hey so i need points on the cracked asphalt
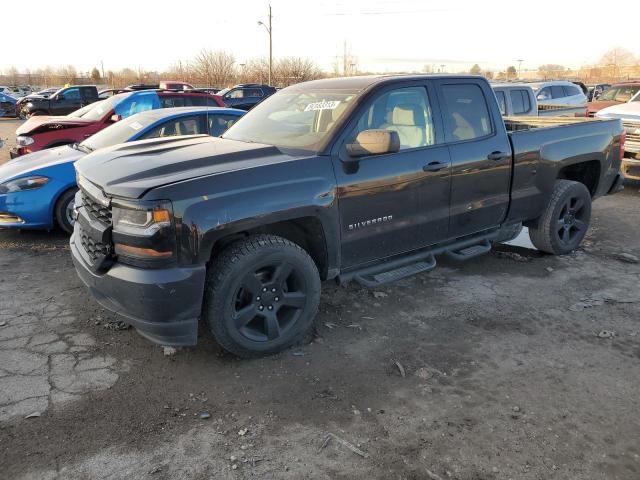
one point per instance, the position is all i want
(496, 368)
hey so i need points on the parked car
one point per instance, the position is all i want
(21, 91)
(557, 94)
(46, 93)
(359, 178)
(596, 90)
(245, 95)
(629, 113)
(515, 99)
(38, 190)
(618, 93)
(109, 92)
(6, 90)
(7, 105)
(42, 132)
(175, 85)
(63, 102)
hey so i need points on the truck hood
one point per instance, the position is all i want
(22, 166)
(129, 170)
(41, 123)
(630, 110)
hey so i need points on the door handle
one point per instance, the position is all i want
(496, 156)
(433, 167)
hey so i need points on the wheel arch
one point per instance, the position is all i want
(306, 231)
(587, 172)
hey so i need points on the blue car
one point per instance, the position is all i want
(37, 190)
(7, 105)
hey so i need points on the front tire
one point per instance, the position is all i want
(565, 221)
(64, 210)
(262, 295)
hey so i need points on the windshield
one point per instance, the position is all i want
(636, 97)
(124, 104)
(82, 111)
(293, 119)
(223, 91)
(620, 94)
(119, 132)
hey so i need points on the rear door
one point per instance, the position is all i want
(480, 156)
(396, 202)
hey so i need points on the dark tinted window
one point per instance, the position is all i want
(557, 91)
(218, 124)
(170, 101)
(89, 93)
(502, 102)
(211, 102)
(252, 92)
(466, 113)
(520, 101)
(72, 94)
(571, 91)
(196, 101)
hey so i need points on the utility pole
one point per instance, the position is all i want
(102, 68)
(520, 67)
(269, 31)
(344, 58)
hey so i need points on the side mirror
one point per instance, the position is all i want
(116, 118)
(374, 142)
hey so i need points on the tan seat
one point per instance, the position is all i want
(408, 121)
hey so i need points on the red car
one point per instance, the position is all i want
(618, 93)
(40, 132)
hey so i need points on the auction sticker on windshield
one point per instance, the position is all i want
(322, 105)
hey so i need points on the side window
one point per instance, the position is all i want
(238, 93)
(218, 124)
(172, 101)
(520, 101)
(571, 91)
(177, 126)
(406, 111)
(502, 101)
(253, 92)
(88, 93)
(195, 101)
(466, 113)
(72, 94)
(557, 91)
(544, 94)
(211, 102)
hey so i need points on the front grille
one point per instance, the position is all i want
(96, 210)
(631, 128)
(95, 250)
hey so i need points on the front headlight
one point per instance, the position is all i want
(144, 233)
(24, 183)
(23, 140)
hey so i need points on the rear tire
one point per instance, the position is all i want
(262, 295)
(64, 210)
(565, 221)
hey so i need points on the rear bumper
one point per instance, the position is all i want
(630, 168)
(164, 305)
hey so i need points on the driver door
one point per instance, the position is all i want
(395, 202)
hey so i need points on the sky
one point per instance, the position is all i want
(384, 35)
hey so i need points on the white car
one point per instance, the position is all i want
(629, 113)
(559, 92)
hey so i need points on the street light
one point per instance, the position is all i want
(519, 67)
(269, 31)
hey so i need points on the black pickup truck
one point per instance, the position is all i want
(63, 102)
(362, 178)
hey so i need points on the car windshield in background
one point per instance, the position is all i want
(223, 91)
(124, 104)
(619, 94)
(298, 120)
(119, 132)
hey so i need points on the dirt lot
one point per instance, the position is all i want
(497, 368)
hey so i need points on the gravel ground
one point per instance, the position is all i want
(513, 365)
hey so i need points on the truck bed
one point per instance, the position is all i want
(515, 124)
(542, 147)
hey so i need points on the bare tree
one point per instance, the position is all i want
(67, 74)
(95, 75)
(296, 69)
(475, 70)
(550, 70)
(215, 68)
(617, 56)
(255, 70)
(512, 72)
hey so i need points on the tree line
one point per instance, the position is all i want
(208, 68)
